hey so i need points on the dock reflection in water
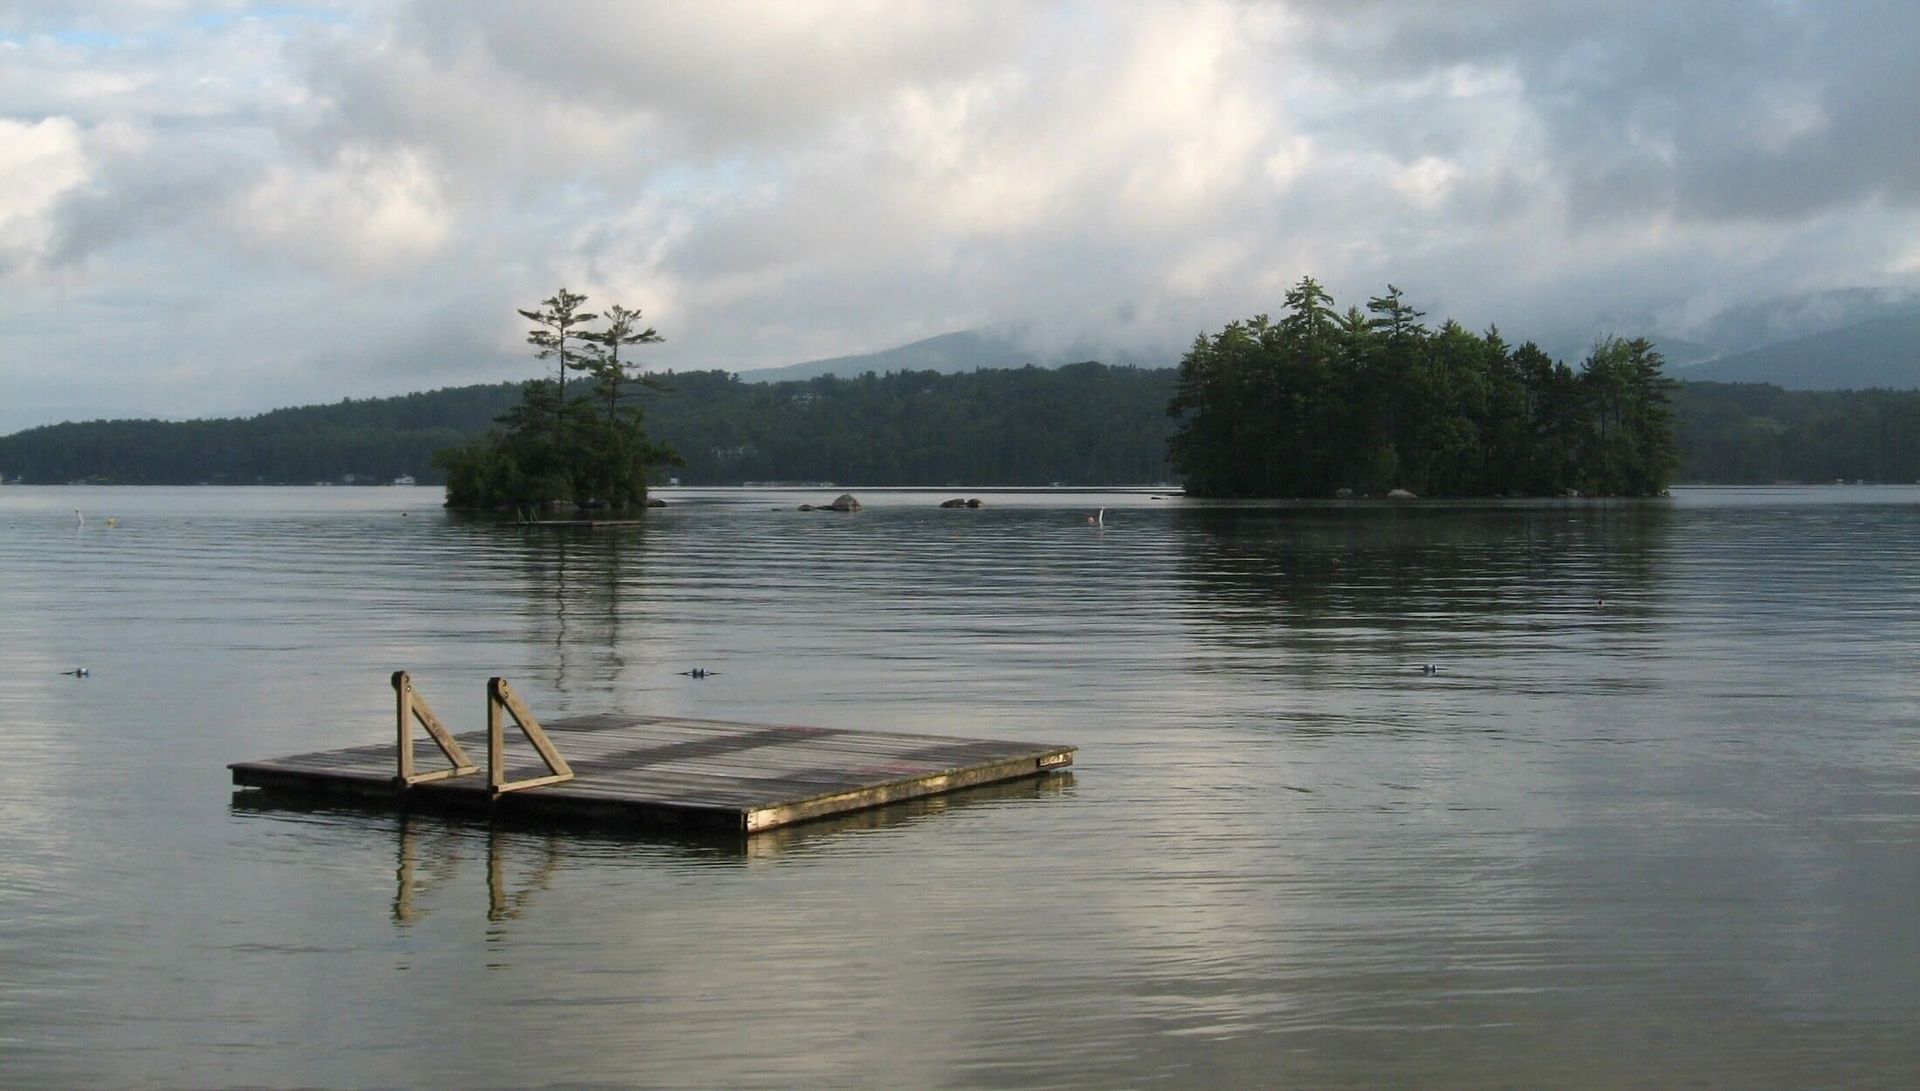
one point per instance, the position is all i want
(521, 858)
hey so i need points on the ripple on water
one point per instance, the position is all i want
(1682, 820)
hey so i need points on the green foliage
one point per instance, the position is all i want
(1086, 424)
(1082, 424)
(558, 316)
(589, 451)
(373, 440)
(1756, 434)
(1317, 403)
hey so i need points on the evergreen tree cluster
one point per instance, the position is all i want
(1323, 401)
(588, 449)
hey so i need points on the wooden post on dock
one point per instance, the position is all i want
(501, 696)
(410, 706)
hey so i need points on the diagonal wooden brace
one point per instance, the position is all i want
(501, 696)
(410, 706)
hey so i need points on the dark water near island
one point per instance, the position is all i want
(1670, 841)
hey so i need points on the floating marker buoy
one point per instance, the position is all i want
(1429, 668)
(699, 672)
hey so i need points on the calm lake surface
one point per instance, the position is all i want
(1668, 841)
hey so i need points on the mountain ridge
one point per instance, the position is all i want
(1879, 353)
(967, 350)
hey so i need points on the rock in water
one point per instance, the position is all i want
(1401, 494)
(844, 502)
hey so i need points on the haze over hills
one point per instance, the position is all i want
(1879, 353)
(963, 350)
(1853, 338)
(1747, 326)
(967, 350)
(1849, 339)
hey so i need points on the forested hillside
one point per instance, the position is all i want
(366, 440)
(1748, 433)
(1080, 424)
(1084, 424)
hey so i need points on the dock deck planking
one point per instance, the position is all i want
(660, 770)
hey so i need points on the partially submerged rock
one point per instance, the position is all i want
(956, 502)
(844, 502)
(1400, 494)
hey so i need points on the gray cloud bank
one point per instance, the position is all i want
(223, 207)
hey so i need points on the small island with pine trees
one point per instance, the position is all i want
(1330, 404)
(585, 452)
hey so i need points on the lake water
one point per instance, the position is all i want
(1668, 841)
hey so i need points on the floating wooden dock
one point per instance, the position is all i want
(657, 770)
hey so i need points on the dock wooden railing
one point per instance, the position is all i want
(411, 707)
(501, 696)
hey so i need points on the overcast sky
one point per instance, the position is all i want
(223, 207)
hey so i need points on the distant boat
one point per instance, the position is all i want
(403, 479)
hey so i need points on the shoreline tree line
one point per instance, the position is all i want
(1086, 424)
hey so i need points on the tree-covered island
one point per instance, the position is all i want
(584, 450)
(1323, 402)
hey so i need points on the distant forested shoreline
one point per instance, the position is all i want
(1084, 424)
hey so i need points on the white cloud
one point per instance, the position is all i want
(773, 180)
(1426, 181)
(362, 214)
(39, 163)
